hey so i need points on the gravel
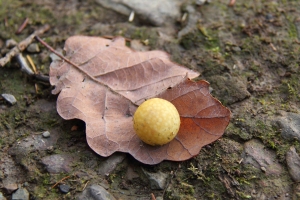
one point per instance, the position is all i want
(290, 125)
(293, 163)
(64, 188)
(46, 134)
(20, 194)
(157, 180)
(10, 98)
(95, 192)
(153, 12)
(255, 154)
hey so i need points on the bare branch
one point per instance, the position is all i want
(23, 25)
(22, 45)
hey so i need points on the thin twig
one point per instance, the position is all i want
(25, 68)
(22, 45)
(31, 63)
(41, 77)
(23, 25)
(273, 47)
(60, 181)
(53, 50)
(5, 22)
(152, 197)
(37, 89)
(85, 185)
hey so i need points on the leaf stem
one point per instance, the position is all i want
(77, 67)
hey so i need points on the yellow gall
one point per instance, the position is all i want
(156, 121)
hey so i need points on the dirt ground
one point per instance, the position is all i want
(250, 54)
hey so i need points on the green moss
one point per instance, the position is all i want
(292, 29)
(148, 37)
(243, 195)
(201, 38)
(181, 191)
(290, 87)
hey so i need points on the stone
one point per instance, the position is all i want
(32, 143)
(293, 163)
(58, 163)
(9, 98)
(272, 188)
(154, 11)
(10, 43)
(46, 134)
(290, 125)
(229, 89)
(256, 155)
(200, 2)
(11, 174)
(33, 48)
(10, 187)
(64, 188)
(54, 57)
(130, 173)
(157, 180)
(192, 21)
(20, 194)
(236, 49)
(110, 164)
(95, 192)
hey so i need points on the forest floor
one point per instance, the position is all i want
(249, 53)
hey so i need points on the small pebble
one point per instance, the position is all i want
(33, 48)
(95, 192)
(46, 134)
(200, 2)
(293, 164)
(21, 193)
(269, 17)
(236, 49)
(10, 43)
(64, 188)
(50, 149)
(54, 57)
(9, 98)
(10, 187)
(157, 180)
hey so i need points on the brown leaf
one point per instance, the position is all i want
(103, 82)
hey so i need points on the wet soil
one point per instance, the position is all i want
(250, 54)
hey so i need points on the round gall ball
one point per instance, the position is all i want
(156, 121)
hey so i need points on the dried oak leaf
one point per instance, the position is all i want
(102, 82)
